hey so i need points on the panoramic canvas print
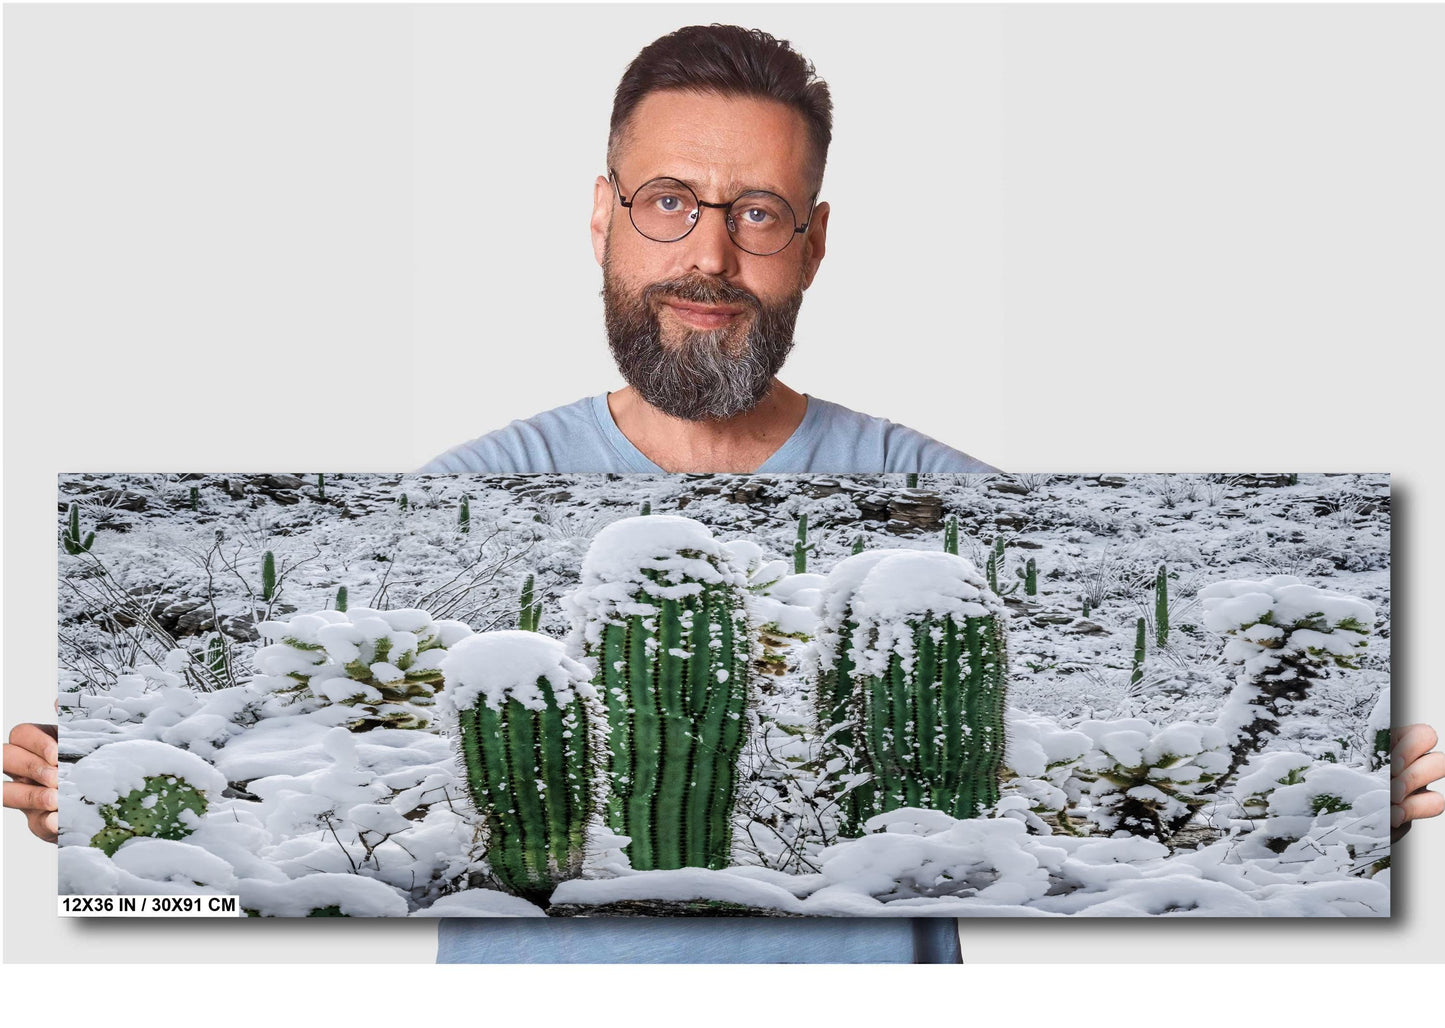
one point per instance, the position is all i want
(561, 695)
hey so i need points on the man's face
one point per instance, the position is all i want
(698, 326)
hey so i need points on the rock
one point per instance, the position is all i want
(1052, 619)
(1009, 488)
(1085, 627)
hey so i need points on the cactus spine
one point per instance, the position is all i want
(268, 577)
(950, 535)
(1161, 606)
(675, 679)
(464, 516)
(530, 748)
(71, 540)
(801, 547)
(1138, 673)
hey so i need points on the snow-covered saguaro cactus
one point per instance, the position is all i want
(661, 608)
(530, 740)
(142, 788)
(1283, 634)
(921, 682)
(385, 663)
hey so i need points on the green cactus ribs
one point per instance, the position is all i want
(912, 695)
(528, 742)
(673, 666)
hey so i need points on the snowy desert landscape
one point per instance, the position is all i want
(784, 695)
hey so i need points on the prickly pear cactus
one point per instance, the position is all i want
(911, 683)
(530, 740)
(661, 609)
(385, 663)
(138, 788)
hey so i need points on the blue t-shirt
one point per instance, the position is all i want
(582, 437)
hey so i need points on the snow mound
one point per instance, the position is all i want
(496, 666)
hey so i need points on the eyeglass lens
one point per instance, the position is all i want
(665, 210)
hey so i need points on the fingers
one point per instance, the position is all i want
(29, 797)
(1419, 775)
(46, 826)
(26, 764)
(1409, 743)
(1418, 805)
(37, 739)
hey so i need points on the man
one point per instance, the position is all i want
(708, 230)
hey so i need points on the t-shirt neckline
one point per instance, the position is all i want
(636, 460)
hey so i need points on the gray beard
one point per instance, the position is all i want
(698, 380)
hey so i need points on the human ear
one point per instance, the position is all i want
(815, 242)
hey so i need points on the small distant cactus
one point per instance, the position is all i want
(646, 508)
(801, 546)
(464, 516)
(998, 547)
(858, 544)
(529, 619)
(991, 573)
(341, 598)
(321, 488)
(1086, 606)
(1161, 606)
(268, 576)
(911, 481)
(1030, 575)
(216, 655)
(71, 540)
(195, 498)
(401, 501)
(1138, 674)
(950, 535)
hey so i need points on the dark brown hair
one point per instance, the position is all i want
(731, 61)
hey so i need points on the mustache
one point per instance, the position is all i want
(700, 290)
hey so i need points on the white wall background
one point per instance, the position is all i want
(1129, 238)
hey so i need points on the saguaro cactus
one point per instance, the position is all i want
(530, 617)
(950, 535)
(914, 700)
(71, 540)
(464, 516)
(661, 608)
(341, 598)
(801, 547)
(320, 488)
(1161, 606)
(1138, 673)
(529, 738)
(268, 576)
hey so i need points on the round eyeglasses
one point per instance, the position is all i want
(759, 222)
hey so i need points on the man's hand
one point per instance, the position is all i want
(1412, 768)
(32, 760)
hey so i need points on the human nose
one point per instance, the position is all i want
(709, 246)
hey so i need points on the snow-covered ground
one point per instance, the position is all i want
(164, 629)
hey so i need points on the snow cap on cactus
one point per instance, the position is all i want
(493, 667)
(909, 585)
(120, 768)
(1279, 615)
(836, 597)
(660, 556)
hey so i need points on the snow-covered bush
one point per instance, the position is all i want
(1316, 810)
(1150, 781)
(661, 611)
(385, 663)
(530, 735)
(913, 703)
(1283, 634)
